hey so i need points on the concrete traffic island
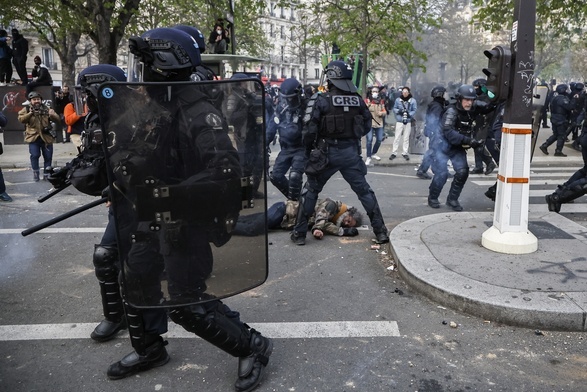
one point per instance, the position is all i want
(441, 256)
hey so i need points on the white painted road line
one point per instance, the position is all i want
(295, 330)
(533, 182)
(61, 230)
(567, 208)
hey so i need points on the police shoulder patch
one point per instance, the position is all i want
(346, 100)
(213, 120)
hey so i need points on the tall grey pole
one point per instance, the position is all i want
(509, 233)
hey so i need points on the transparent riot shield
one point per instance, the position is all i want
(185, 160)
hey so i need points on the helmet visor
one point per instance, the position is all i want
(79, 100)
(135, 69)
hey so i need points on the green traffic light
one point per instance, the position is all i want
(486, 91)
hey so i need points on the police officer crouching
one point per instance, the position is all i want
(334, 124)
(454, 138)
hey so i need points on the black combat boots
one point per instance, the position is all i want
(107, 330)
(251, 367)
(153, 355)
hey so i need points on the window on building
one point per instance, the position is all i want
(282, 15)
(317, 73)
(282, 28)
(47, 56)
(282, 54)
(272, 9)
(271, 30)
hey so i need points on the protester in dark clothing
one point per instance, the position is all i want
(3, 195)
(41, 76)
(5, 57)
(20, 49)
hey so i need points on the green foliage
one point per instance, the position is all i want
(373, 27)
(555, 19)
(154, 13)
(559, 30)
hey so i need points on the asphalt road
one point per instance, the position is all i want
(341, 317)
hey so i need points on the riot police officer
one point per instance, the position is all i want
(246, 116)
(454, 138)
(575, 186)
(169, 148)
(434, 113)
(578, 99)
(334, 124)
(483, 123)
(287, 120)
(560, 112)
(87, 173)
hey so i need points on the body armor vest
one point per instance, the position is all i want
(343, 119)
(465, 123)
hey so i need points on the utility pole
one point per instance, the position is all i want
(509, 233)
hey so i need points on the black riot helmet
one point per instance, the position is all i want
(466, 91)
(340, 75)
(88, 82)
(438, 92)
(195, 33)
(291, 92)
(162, 55)
(562, 89)
(201, 72)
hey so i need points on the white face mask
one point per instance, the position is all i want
(219, 32)
(375, 95)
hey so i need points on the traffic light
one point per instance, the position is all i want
(498, 73)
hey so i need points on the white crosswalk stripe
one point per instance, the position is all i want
(293, 330)
(543, 181)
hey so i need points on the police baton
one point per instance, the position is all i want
(52, 192)
(61, 217)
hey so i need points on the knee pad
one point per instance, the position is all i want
(280, 183)
(295, 185)
(461, 175)
(106, 262)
